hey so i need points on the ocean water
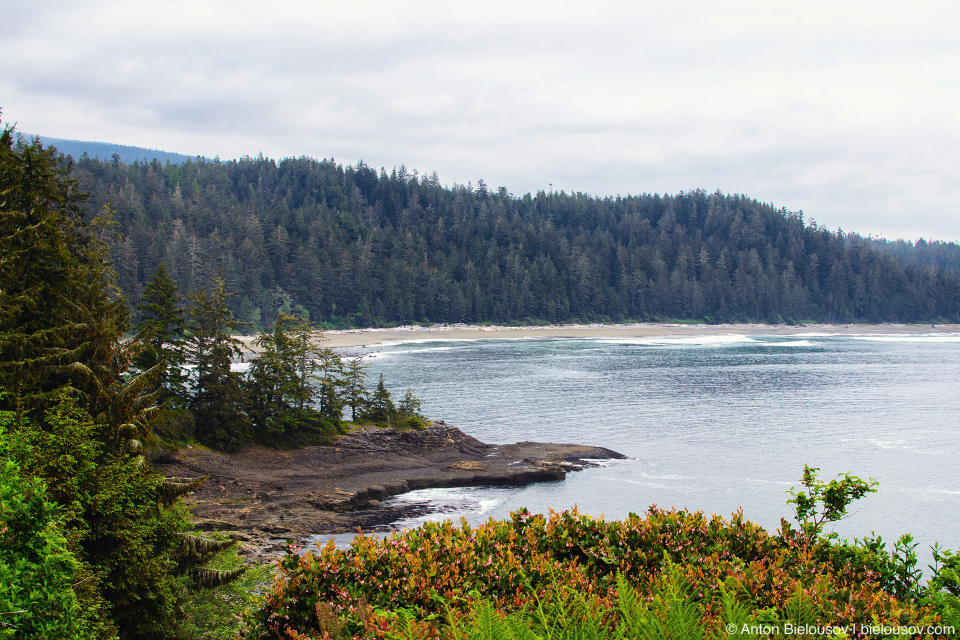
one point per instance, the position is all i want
(715, 423)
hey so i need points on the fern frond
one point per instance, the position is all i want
(328, 621)
(673, 614)
(483, 621)
(633, 612)
(737, 615)
(520, 631)
(800, 609)
(403, 626)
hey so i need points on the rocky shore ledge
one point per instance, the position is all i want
(266, 496)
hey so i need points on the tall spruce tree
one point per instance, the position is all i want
(354, 384)
(161, 328)
(61, 317)
(216, 400)
(272, 383)
(330, 397)
(75, 412)
(381, 406)
(306, 357)
(51, 271)
(410, 405)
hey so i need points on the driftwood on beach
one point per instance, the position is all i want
(265, 496)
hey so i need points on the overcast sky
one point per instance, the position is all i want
(847, 110)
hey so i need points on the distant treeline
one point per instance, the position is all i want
(348, 245)
(106, 150)
(936, 253)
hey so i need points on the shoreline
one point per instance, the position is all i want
(344, 338)
(264, 496)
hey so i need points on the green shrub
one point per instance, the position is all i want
(36, 568)
(823, 502)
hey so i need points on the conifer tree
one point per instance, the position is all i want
(161, 329)
(61, 317)
(292, 373)
(77, 413)
(51, 269)
(264, 386)
(410, 405)
(354, 384)
(381, 402)
(217, 399)
(274, 386)
(307, 357)
(331, 379)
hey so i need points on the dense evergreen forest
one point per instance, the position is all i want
(348, 245)
(932, 253)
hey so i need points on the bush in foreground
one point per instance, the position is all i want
(37, 570)
(538, 573)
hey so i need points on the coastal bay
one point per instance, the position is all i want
(712, 422)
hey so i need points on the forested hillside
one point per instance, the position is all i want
(353, 246)
(936, 253)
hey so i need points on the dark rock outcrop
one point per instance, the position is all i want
(265, 494)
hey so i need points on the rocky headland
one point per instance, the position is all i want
(266, 496)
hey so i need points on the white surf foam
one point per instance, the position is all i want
(655, 485)
(444, 495)
(607, 462)
(401, 343)
(486, 506)
(666, 477)
(569, 373)
(921, 338)
(682, 341)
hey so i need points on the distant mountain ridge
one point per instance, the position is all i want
(106, 150)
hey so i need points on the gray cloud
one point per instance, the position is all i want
(849, 112)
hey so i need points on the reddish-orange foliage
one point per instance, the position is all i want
(435, 571)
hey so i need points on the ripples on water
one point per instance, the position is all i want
(712, 423)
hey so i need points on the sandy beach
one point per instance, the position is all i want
(361, 337)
